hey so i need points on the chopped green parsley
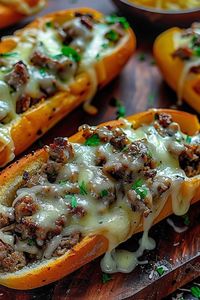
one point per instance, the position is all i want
(186, 219)
(106, 278)
(104, 193)
(71, 53)
(121, 110)
(113, 19)
(141, 57)
(160, 270)
(62, 182)
(112, 36)
(8, 54)
(140, 190)
(83, 188)
(49, 24)
(92, 141)
(188, 139)
(73, 200)
(195, 290)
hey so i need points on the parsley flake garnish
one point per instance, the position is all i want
(106, 278)
(151, 99)
(98, 56)
(8, 54)
(139, 189)
(188, 139)
(104, 193)
(195, 290)
(62, 182)
(121, 110)
(73, 200)
(141, 57)
(31, 242)
(49, 24)
(194, 40)
(57, 56)
(153, 62)
(142, 192)
(112, 36)
(71, 53)
(93, 141)
(83, 188)
(160, 270)
(113, 19)
(186, 219)
(105, 45)
(43, 72)
(197, 51)
(138, 183)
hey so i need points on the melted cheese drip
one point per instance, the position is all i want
(23, 7)
(46, 39)
(118, 222)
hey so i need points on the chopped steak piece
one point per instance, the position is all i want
(23, 104)
(4, 220)
(11, 260)
(67, 243)
(163, 119)
(51, 169)
(189, 160)
(61, 150)
(26, 206)
(182, 53)
(19, 76)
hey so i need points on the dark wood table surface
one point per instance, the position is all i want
(139, 87)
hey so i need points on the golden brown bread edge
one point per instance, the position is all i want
(91, 246)
(52, 110)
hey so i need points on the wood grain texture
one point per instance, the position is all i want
(139, 87)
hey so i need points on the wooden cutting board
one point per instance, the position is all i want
(139, 87)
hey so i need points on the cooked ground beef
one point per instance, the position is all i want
(26, 206)
(67, 243)
(195, 70)
(19, 76)
(189, 160)
(51, 169)
(183, 53)
(72, 32)
(4, 220)
(136, 203)
(196, 87)
(61, 151)
(10, 260)
(106, 134)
